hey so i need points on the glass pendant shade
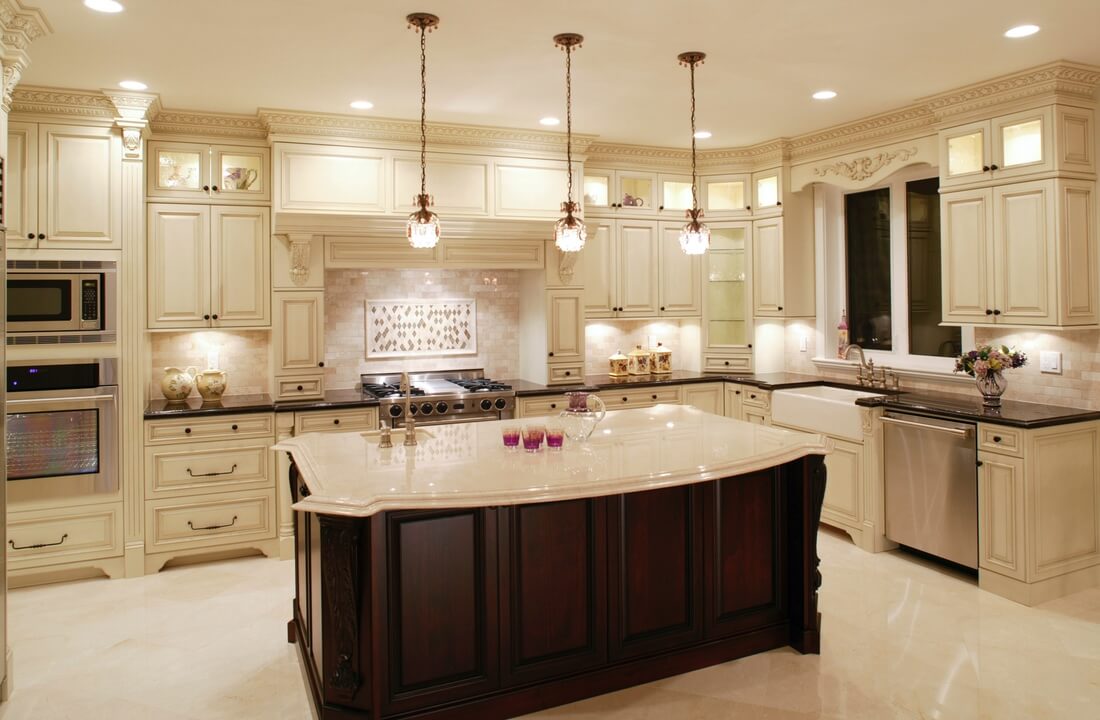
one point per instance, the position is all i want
(694, 235)
(422, 229)
(570, 232)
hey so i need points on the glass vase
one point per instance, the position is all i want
(992, 386)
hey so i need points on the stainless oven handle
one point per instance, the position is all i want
(961, 432)
(55, 400)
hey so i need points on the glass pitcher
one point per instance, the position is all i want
(585, 411)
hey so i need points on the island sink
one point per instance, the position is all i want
(821, 408)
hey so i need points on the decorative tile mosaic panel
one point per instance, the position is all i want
(404, 328)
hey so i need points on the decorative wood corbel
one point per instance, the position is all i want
(300, 245)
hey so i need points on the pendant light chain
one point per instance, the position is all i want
(569, 119)
(423, 110)
(694, 191)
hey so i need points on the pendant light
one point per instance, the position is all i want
(422, 229)
(694, 236)
(569, 232)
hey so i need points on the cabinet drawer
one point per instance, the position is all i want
(86, 533)
(209, 520)
(208, 467)
(304, 387)
(1000, 439)
(543, 405)
(762, 399)
(220, 427)
(570, 374)
(356, 419)
(727, 363)
(639, 397)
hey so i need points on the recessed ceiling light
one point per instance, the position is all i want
(703, 135)
(1021, 31)
(362, 104)
(824, 95)
(549, 121)
(133, 85)
(103, 6)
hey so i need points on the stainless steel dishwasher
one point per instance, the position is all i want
(931, 480)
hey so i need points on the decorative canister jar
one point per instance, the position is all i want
(638, 361)
(177, 384)
(211, 384)
(619, 364)
(660, 360)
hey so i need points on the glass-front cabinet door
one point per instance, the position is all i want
(965, 153)
(726, 195)
(179, 170)
(241, 173)
(1022, 143)
(767, 192)
(637, 192)
(675, 196)
(598, 189)
(727, 310)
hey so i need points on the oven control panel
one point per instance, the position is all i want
(89, 302)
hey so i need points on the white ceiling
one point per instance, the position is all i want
(492, 62)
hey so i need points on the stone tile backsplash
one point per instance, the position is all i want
(244, 355)
(604, 337)
(496, 293)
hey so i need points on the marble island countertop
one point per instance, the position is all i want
(466, 465)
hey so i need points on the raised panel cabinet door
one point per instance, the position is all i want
(1025, 254)
(844, 491)
(458, 186)
(240, 248)
(440, 628)
(967, 236)
(655, 551)
(21, 186)
(179, 266)
(708, 397)
(299, 332)
(597, 271)
(565, 325)
(1001, 515)
(1075, 144)
(178, 170)
(529, 188)
(1077, 262)
(638, 261)
(82, 186)
(317, 178)
(767, 268)
(965, 153)
(733, 407)
(553, 589)
(680, 284)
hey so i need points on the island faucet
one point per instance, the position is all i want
(410, 424)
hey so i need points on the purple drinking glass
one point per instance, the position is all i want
(510, 435)
(532, 437)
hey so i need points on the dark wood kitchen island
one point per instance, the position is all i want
(456, 579)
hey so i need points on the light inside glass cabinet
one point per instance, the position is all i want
(596, 190)
(677, 195)
(726, 288)
(728, 195)
(767, 191)
(1022, 144)
(965, 154)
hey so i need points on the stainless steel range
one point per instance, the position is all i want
(449, 396)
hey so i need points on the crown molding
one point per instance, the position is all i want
(20, 26)
(82, 104)
(876, 129)
(193, 122)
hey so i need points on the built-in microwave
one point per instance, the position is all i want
(60, 301)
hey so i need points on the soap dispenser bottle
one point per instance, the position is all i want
(842, 334)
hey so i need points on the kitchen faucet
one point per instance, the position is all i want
(410, 424)
(885, 376)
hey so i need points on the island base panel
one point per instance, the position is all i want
(553, 602)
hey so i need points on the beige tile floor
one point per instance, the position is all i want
(901, 639)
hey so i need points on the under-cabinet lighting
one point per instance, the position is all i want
(824, 95)
(361, 104)
(104, 6)
(1021, 31)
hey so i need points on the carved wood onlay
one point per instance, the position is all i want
(82, 104)
(876, 129)
(20, 26)
(300, 244)
(186, 122)
(340, 558)
(866, 166)
(133, 109)
(567, 262)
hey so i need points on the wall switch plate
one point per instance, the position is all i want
(1050, 361)
(803, 344)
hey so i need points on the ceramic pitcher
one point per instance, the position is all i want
(177, 384)
(211, 384)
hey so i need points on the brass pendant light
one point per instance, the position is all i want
(422, 229)
(694, 235)
(569, 232)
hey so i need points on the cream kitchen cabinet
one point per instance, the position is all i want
(1038, 510)
(622, 191)
(680, 277)
(200, 172)
(208, 266)
(529, 188)
(767, 192)
(619, 269)
(727, 299)
(782, 270)
(708, 397)
(331, 179)
(1020, 254)
(63, 186)
(564, 336)
(756, 406)
(299, 338)
(726, 196)
(459, 184)
(1051, 138)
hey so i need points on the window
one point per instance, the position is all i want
(882, 266)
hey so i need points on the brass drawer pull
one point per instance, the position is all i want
(213, 474)
(38, 545)
(213, 527)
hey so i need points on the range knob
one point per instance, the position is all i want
(486, 404)
(500, 403)
(441, 407)
(396, 410)
(426, 409)
(413, 409)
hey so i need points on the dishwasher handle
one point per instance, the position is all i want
(960, 432)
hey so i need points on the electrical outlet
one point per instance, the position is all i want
(803, 344)
(1050, 361)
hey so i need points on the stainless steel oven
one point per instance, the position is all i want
(60, 301)
(62, 432)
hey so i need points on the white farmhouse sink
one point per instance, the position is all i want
(828, 410)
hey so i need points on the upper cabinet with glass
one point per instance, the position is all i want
(620, 191)
(767, 192)
(198, 172)
(1053, 138)
(725, 196)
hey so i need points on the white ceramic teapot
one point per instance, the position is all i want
(177, 384)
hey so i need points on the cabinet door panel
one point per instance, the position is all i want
(458, 187)
(638, 259)
(842, 493)
(967, 227)
(178, 170)
(529, 189)
(240, 242)
(565, 325)
(1001, 515)
(681, 278)
(1023, 142)
(965, 153)
(328, 179)
(597, 270)
(240, 173)
(767, 268)
(1078, 261)
(707, 397)
(299, 327)
(1024, 253)
(21, 185)
(81, 187)
(179, 266)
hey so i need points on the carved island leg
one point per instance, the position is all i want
(343, 666)
(807, 494)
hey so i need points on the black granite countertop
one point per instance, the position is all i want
(197, 406)
(592, 383)
(333, 400)
(951, 406)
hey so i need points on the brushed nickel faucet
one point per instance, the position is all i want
(410, 424)
(885, 377)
